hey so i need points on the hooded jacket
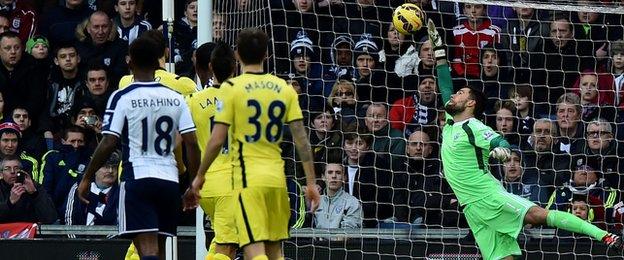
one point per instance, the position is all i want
(339, 211)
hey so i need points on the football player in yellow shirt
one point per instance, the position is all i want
(183, 85)
(256, 106)
(216, 194)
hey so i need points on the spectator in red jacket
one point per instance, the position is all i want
(22, 18)
(475, 32)
(419, 108)
(597, 93)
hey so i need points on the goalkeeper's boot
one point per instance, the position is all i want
(613, 241)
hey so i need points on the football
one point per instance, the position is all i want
(407, 18)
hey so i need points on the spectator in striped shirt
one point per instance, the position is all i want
(129, 25)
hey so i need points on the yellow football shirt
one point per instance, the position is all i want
(183, 85)
(256, 107)
(202, 105)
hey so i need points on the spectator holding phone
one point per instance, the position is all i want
(22, 199)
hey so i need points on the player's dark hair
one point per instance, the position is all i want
(144, 54)
(202, 55)
(223, 62)
(64, 45)
(251, 46)
(479, 99)
(72, 129)
(9, 34)
(158, 38)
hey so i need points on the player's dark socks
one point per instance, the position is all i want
(569, 222)
(613, 241)
(150, 257)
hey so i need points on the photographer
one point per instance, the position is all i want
(87, 117)
(21, 199)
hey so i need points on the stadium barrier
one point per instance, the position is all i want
(52, 242)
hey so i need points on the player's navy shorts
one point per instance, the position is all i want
(148, 205)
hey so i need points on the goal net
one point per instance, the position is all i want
(552, 74)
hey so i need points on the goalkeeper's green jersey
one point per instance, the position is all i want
(465, 151)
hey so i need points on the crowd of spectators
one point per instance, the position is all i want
(369, 95)
(59, 63)
(553, 80)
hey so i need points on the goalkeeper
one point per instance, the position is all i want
(495, 216)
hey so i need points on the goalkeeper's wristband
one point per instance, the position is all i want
(439, 52)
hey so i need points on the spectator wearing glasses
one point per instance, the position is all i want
(602, 144)
(21, 198)
(431, 199)
(345, 103)
(103, 198)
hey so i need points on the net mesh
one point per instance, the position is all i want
(552, 74)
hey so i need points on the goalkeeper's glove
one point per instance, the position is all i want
(502, 154)
(439, 50)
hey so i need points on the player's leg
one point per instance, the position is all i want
(279, 224)
(255, 251)
(274, 250)
(496, 222)
(220, 211)
(136, 214)
(225, 252)
(147, 245)
(251, 218)
(567, 221)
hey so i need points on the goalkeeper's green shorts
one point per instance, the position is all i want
(496, 222)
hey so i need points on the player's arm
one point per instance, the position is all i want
(219, 134)
(101, 154)
(192, 152)
(304, 150)
(213, 148)
(488, 139)
(445, 82)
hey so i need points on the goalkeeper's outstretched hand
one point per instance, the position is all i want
(502, 154)
(439, 50)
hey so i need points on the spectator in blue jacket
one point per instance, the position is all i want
(64, 166)
(103, 198)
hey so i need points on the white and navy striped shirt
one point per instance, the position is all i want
(130, 33)
(146, 117)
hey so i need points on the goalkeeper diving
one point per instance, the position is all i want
(494, 216)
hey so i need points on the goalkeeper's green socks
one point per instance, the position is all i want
(569, 222)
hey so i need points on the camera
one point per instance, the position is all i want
(90, 120)
(21, 177)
